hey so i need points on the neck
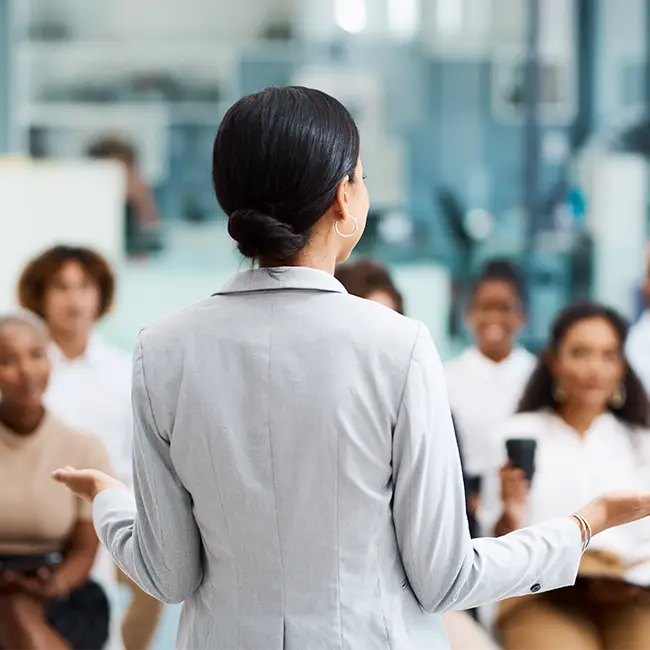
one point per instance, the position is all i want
(73, 345)
(496, 356)
(21, 419)
(312, 259)
(579, 417)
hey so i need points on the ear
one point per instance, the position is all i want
(341, 198)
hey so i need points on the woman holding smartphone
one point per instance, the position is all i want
(47, 540)
(588, 413)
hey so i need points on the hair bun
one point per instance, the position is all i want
(263, 237)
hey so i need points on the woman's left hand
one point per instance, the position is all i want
(87, 483)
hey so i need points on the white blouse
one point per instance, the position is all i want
(482, 394)
(571, 470)
(93, 393)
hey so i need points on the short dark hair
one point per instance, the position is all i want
(363, 277)
(540, 394)
(114, 148)
(278, 159)
(38, 274)
(501, 270)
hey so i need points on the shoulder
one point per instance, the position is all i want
(111, 356)
(524, 357)
(85, 449)
(365, 321)
(459, 365)
(640, 331)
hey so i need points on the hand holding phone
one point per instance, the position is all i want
(521, 454)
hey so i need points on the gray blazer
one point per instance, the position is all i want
(297, 480)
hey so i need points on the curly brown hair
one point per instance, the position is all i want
(38, 274)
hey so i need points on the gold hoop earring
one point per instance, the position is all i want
(356, 227)
(559, 394)
(619, 397)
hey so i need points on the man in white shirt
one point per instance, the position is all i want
(90, 387)
(487, 380)
(638, 341)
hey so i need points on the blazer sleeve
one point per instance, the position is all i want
(151, 534)
(446, 569)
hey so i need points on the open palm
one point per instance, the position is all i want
(86, 483)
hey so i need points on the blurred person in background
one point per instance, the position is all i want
(638, 343)
(72, 288)
(588, 412)
(370, 280)
(142, 221)
(486, 381)
(47, 540)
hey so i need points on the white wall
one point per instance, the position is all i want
(49, 203)
(618, 199)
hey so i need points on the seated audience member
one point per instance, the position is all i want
(47, 540)
(371, 281)
(638, 343)
(142, 221)
(486, 381)
(71, 288)
(368, 279)
(588, 412)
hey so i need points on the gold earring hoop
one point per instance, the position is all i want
(356, 227)
(619, 397)
(559, 394)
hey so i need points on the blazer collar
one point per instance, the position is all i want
(279, 278)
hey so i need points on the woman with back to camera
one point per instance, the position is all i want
(47, 542)
(296, 475)
(589, 414)
(370, 280)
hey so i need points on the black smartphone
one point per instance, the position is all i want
(473, 485)
(521, 454)
(29, 563)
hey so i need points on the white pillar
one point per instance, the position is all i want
(617, 205)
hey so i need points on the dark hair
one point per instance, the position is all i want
(364, 277)
(501, 270)
(278, 159)
(539, 393)
(113, 148)
(38, 274)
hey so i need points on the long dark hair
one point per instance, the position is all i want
(540, 394)
(278, 159)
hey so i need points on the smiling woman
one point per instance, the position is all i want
(589, 415)
(47, 541)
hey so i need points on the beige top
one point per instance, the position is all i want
(37, 514)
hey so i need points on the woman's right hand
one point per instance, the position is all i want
(514, 495)
(616, 509)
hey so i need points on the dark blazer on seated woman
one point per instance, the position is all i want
(57, 605)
